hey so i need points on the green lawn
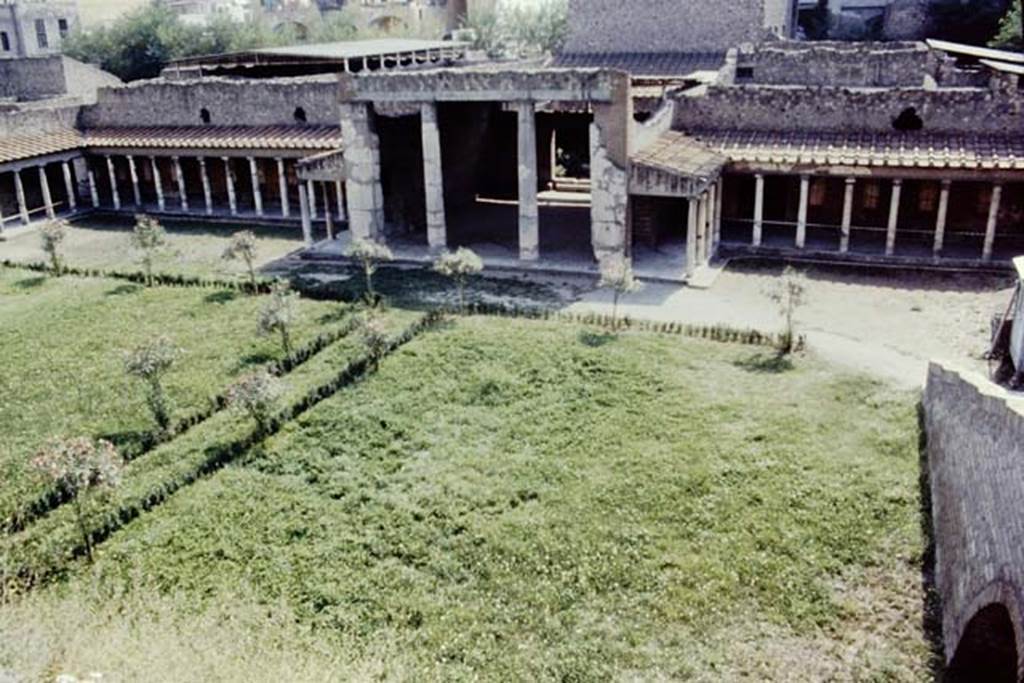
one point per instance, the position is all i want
(62, 342)
(513, 500)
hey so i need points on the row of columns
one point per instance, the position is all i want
(704, 227)
(894, 211)
(307, 192)
(44, 183)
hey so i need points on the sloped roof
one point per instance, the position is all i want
(217, 137)
(18, 147)
(898, 150)
(676, 152)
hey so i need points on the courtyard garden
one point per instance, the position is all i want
(448, 497)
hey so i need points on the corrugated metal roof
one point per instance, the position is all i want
(19, 147)
(902, 150)
(217, 137)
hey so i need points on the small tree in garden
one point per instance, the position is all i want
(369, 254)
(375, 337)
(149, 363)
(257, 395)
(789, 295)
(52, 233)
(617, 275)
(459, 266)
(79, 465)
(148, 238)
(278, 314)
(243, 246)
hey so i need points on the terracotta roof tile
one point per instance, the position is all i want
(905, 150)
(217, 137)
(18, 147)
(676, 152)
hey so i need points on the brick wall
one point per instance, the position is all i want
(975, 434)
(669, 25)
(230, 102)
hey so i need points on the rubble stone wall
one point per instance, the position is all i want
(838, 64)
(32, 78)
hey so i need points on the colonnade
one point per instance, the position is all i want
(49, 207)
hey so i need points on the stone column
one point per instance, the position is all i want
(758, 209)
(133, 172)
(844, 239)
(44, 184)
(94, 192)
(307, 223)
(993, 221)
(69, 186)
(691, 236)
(158, 183)
(362, 167)
(1, 219)
(257, 194)
(19, 191)
(940, 219)
(801, 219)
(339, 188)
(282, 188)
(894, 216)
(311, 196)
(207, 190)
(328, 219)
(716, 237)
(180, 176)
(433, 179)
(702, 234)
(529, 213)
(115, 195)
(229, 177)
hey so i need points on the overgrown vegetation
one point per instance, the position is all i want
(520, 28)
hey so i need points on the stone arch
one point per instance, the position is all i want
(990, 646)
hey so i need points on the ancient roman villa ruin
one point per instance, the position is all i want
(671, 143)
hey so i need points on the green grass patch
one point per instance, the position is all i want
(62, 341)
(508, 499)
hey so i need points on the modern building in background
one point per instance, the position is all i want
(35, 28)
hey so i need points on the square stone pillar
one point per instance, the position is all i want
(894, 217)
(433, 178)
(69, 186)
(362, 166)
(44, 184)
(801, 220)
(529, 213)
(844, 238)
(758, 210)
(940, 219)
(993, 221)
(691, 235)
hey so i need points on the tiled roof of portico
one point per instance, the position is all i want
(676, 152)
(19, 147)
(217, 137)
(896, 150)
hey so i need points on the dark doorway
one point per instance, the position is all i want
(987, 651)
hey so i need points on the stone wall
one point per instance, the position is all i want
(837, 64)
(38, 121)
(672, 25)
(32, 78)
(762, 108)
(610, 147)
(229, 102)
(975, 436)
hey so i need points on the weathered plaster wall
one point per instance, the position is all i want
(230, 102)
(610, 147)
(671, 25)
(832, 63)
(32, 78)
(964, 110)
(975, 433)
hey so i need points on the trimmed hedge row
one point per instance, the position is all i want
(52, 498)
(139, 277)
(44, 551)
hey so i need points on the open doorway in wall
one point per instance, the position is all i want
(401, 156)
(563, 175)
(987, 650)
(660, 230)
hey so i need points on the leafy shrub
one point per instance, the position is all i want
(79, 465)
(369, 254)
(459, 266)
(148, 237)
(789, 294)
(257, 395)
(278, 314)
(53, 233)
(243, 246)
(149, 363)
(617, 275)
